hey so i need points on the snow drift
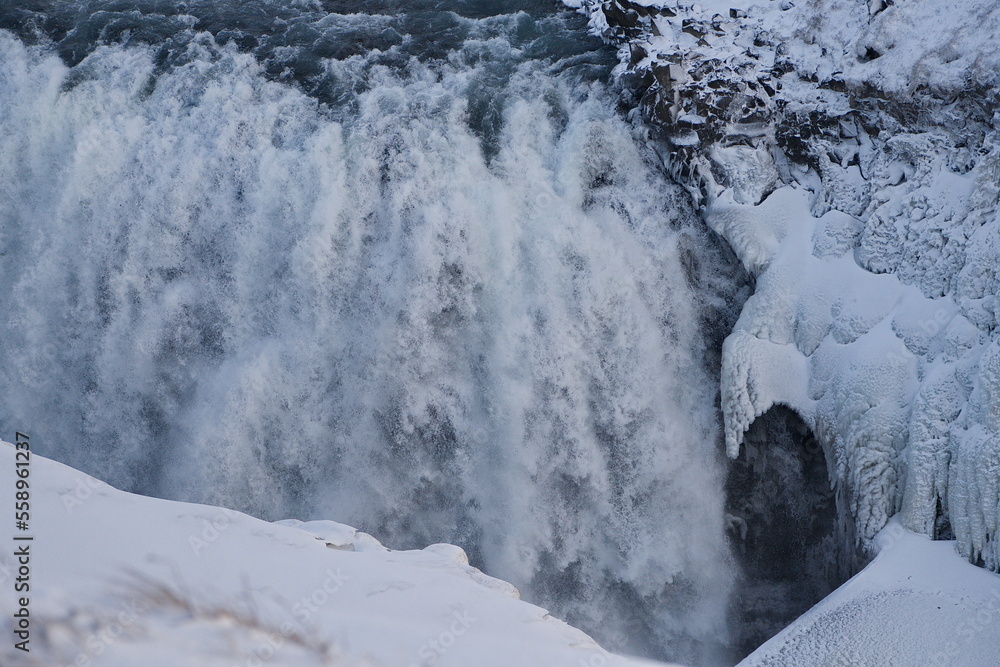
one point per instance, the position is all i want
(916, 603)
(122, 580)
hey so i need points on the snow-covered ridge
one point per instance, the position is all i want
(849, 153)
(120, 579)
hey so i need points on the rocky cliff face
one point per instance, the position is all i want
(848, 151)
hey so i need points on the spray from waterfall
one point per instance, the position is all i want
(442, 297)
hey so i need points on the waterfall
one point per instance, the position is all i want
(431, 286)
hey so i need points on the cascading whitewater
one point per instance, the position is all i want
(442, 299)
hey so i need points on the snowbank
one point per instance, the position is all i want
(120, 579)
(917, 603)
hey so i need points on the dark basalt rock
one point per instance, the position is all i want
(636, 53)
(619, 16)
(693, 99)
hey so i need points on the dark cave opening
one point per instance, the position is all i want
(783, 528)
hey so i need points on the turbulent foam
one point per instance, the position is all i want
(216, 289)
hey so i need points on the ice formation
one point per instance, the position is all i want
(848, 151)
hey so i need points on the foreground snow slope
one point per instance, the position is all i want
(849, 152)
(121, 579)
(917, 603)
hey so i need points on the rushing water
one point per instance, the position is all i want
(402, 265)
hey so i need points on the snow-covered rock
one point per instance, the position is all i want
(120, 579)
(848, 151)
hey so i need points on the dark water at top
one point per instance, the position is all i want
(296, 40)
(330, 49)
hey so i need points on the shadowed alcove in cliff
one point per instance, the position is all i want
(783, 527)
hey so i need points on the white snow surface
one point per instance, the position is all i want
(917, 603)
(118, 579)
(875, 314)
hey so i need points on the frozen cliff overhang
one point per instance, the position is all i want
(848, 152)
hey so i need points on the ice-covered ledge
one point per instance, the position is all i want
(896, 371)
(118, 579)
(815, 314)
